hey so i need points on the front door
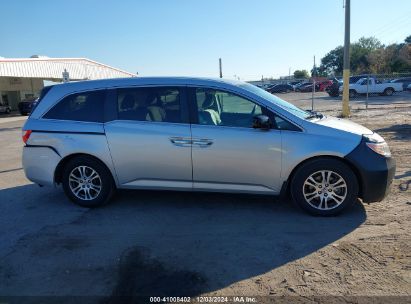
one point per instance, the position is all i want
(228, 154)
(150, 139)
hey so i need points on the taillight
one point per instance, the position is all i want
(26, 135)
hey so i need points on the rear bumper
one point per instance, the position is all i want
(376, 172)
(40, 163)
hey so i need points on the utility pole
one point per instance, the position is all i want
(221, 67)
(346, 70)
(313, 89)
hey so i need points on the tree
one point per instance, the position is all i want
(379, 60)
(332, 62)
(394, 58)
(318, 72)
(298, 74)
(360, 51)
(369, 55)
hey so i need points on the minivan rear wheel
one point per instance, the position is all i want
(324, 186)
(87, 182)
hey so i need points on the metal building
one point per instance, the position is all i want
(23, 78)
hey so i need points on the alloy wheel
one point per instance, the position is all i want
(325, 190)
(85, 183)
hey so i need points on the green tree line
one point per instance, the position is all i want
(368, 55)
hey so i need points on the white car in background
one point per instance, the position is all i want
(374, 87)
(5, 108)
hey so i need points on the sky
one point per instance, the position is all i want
(186, 37)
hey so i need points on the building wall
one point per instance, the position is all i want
(23, 86)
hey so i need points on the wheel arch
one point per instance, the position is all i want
(58, 172)
(286, 189)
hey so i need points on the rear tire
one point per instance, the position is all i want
(87, 182)
(352, 93)
(388, 92)
(324, 187)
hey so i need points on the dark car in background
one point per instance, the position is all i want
(293, 83)
(305, 87)
(406, 81)
(301, 83)
(323, 85)
(27, 105)
(334, 89)
(280, 88)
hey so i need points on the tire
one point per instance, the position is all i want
(8, 111)
(316, 201)
(352, 93)
(388, 91)
(95, 191)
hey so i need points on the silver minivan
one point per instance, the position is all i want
(196, 134)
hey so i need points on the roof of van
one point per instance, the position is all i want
(132, 81)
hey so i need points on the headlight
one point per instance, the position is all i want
(377, 144)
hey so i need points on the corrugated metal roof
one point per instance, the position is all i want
(52, 68)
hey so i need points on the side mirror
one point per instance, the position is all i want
(262, 122)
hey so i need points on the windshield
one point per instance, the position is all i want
(275, 100)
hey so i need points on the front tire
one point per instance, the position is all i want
(87, 182)
(324, 187)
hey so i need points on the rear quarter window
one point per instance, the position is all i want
(84, 106)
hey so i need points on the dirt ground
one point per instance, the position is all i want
(175, 244)
(375, 258)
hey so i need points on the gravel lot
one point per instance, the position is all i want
(174, 244)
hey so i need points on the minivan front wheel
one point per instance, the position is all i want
(324, 186)
(87, 182)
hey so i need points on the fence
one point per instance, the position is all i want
(322, 93)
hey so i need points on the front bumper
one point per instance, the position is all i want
(376, 172)
(40, 163)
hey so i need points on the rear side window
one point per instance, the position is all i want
(85, 106)
(43, 93)
(159, 104)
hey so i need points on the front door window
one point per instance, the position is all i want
(221, 108)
